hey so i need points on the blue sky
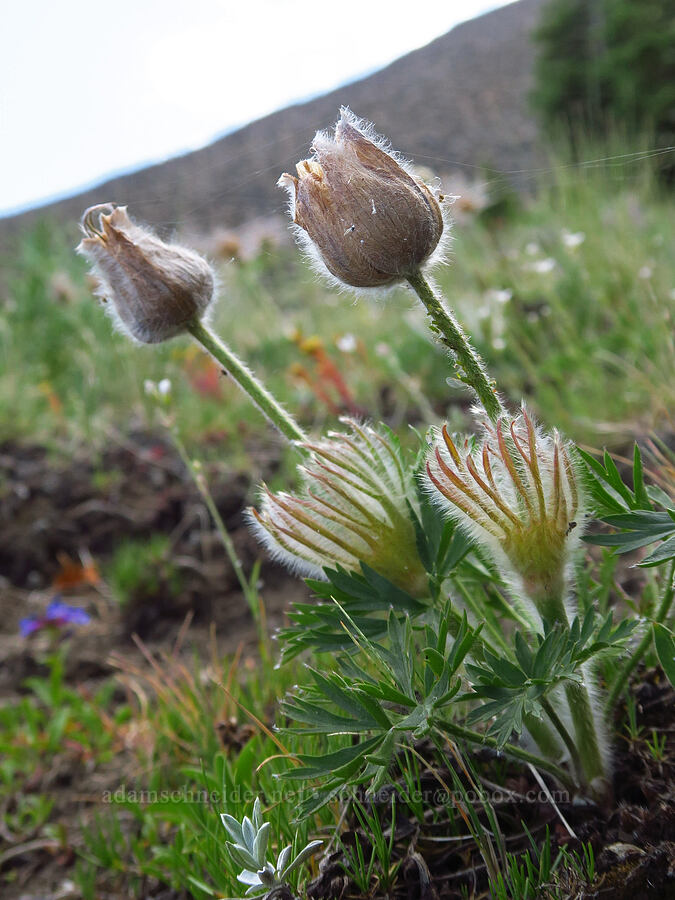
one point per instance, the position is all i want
(89, 88)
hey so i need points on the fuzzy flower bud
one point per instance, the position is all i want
(359, 209)
(517, 494)
(353, 507)
(153, 290)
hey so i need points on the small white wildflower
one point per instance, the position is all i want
(645, 272)
(150, 388)
(164, 387)
(346, 343)
(500, 296)
(542, 266)
(499, 343)
(573, 239)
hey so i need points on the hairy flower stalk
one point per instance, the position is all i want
(155, 291)
(354, 506)
(445, 325)
(518, 496)
(368, 221)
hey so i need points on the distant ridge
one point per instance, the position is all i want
(459, 102)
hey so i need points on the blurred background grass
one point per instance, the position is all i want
(568, 293)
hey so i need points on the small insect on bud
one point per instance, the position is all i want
(153, 290)
(359, 209)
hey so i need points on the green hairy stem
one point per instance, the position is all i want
(475, 737)
(585, 748)
(566, 736)
(257, 391)
(448, 328)
(544, 736)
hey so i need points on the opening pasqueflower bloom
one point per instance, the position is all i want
(517, 494)
(153, 290)
(354, 506)
(360, 210)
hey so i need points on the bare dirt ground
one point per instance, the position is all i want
(60, 523)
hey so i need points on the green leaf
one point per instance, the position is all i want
(615, 480)
(397, 598)
(606, 499)
(249, 833)
(413, 721)
(242, 855)
(342, 697)
(384, 691)
(523, 653)
(385, 751)
(426, 538)
(659, 496)
(232, 827)
(434, 660)
(625, 541)
(664, 642)
(302, 857)
(282, 861)
(316, 800)
(448, 695)
(663, 553)
(458, 547)
(320, 720)
(647, 521)
(371, 705)
(330, 763)
(641, 496)
(260, 844)
(506, 671)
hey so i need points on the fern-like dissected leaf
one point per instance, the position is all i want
(514, 690)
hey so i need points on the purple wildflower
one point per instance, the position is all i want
(58, 615)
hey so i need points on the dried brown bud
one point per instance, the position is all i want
(153, 289)
(370, 220)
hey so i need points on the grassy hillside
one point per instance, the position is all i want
(569, 296)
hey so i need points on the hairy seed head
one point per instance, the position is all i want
(359, 208)
(152, 289)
